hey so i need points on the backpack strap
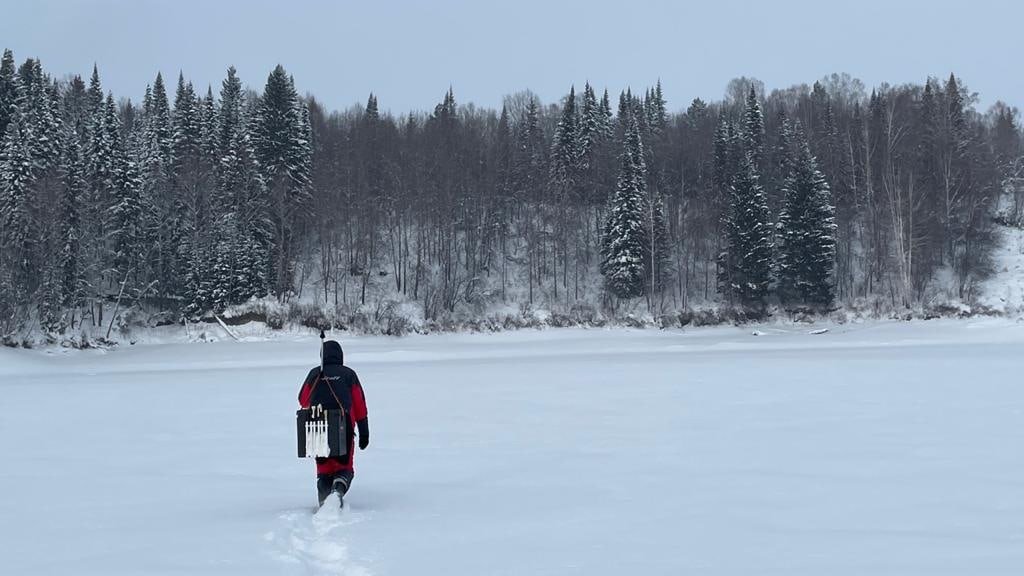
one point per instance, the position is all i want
(330, 387)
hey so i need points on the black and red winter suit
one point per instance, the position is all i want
(338, 383)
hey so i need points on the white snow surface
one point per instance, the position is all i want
(883, 448)
(1004, 291)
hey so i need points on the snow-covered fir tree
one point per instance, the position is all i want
(163, 214)
(753, 129)
(231, 151)
(125, 224)
(596, 132)
(626, 241)
(18, 211)
(242, 230)
(530, 162)
(639, 111)
(724, 168)
(607, 123)
(590, 125)
(566, 151)
(625, 110)
(785, 151)
(9, 89)
(72, 194)
(660, 250)
(208, 123)
(282, 152)
(189, 177)
(807, 234)
(101, 157)
(504, 150)
(749, 239)
(94, 94)
(160, 131)
(656, 112)
(40, 120)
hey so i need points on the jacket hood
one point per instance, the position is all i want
(333, 354)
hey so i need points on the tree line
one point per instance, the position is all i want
(802, 198)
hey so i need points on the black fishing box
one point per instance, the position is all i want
(321, 433)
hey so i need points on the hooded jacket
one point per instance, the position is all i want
(337, 386)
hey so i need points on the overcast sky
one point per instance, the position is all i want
(408, 52)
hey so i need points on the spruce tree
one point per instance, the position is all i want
(530, 157)
(94, 95)
(566, 152)
(590, 126)
(186, 128)
(302, 150)
(605, 116)
(99, 159)
(749, 239)
(595, 134)
(41, 120)
(955, 112)
(126, 213)
(100, 156)
(730, 147)
(41, 126)
(72, 194)
(239, 262)
(504, 151)
(1006, 139)
(75, 107)
(163, 220)
(220, 213)
(283, 149)
(196, 234)
(231, 151)
(626, 244)
(624, 112)
(657, 114)
(724, 167)
(753, 129)
(638, 106)
(17, 211)
(279, 143)
(159, 123)
(954, 212)
(785, 151)
(51, 319)
(657, 159)
(658, 264)
(9, 89)
(807, 235)
(207, 116)
(601, 155)
(244, 231)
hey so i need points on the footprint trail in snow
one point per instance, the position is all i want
(317, 544)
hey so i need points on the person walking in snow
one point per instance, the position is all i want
(334, 385)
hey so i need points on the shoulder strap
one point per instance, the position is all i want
(330, 387)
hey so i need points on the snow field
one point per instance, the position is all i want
(889, 448)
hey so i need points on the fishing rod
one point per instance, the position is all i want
(322, 336)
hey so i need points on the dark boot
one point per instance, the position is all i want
(324, 486)
(340, 486)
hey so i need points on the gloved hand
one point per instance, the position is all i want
(364, 433)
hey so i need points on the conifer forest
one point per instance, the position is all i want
(183, 202)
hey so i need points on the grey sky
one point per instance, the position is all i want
(408, 52)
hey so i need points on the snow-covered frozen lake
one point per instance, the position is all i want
(873, 449)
